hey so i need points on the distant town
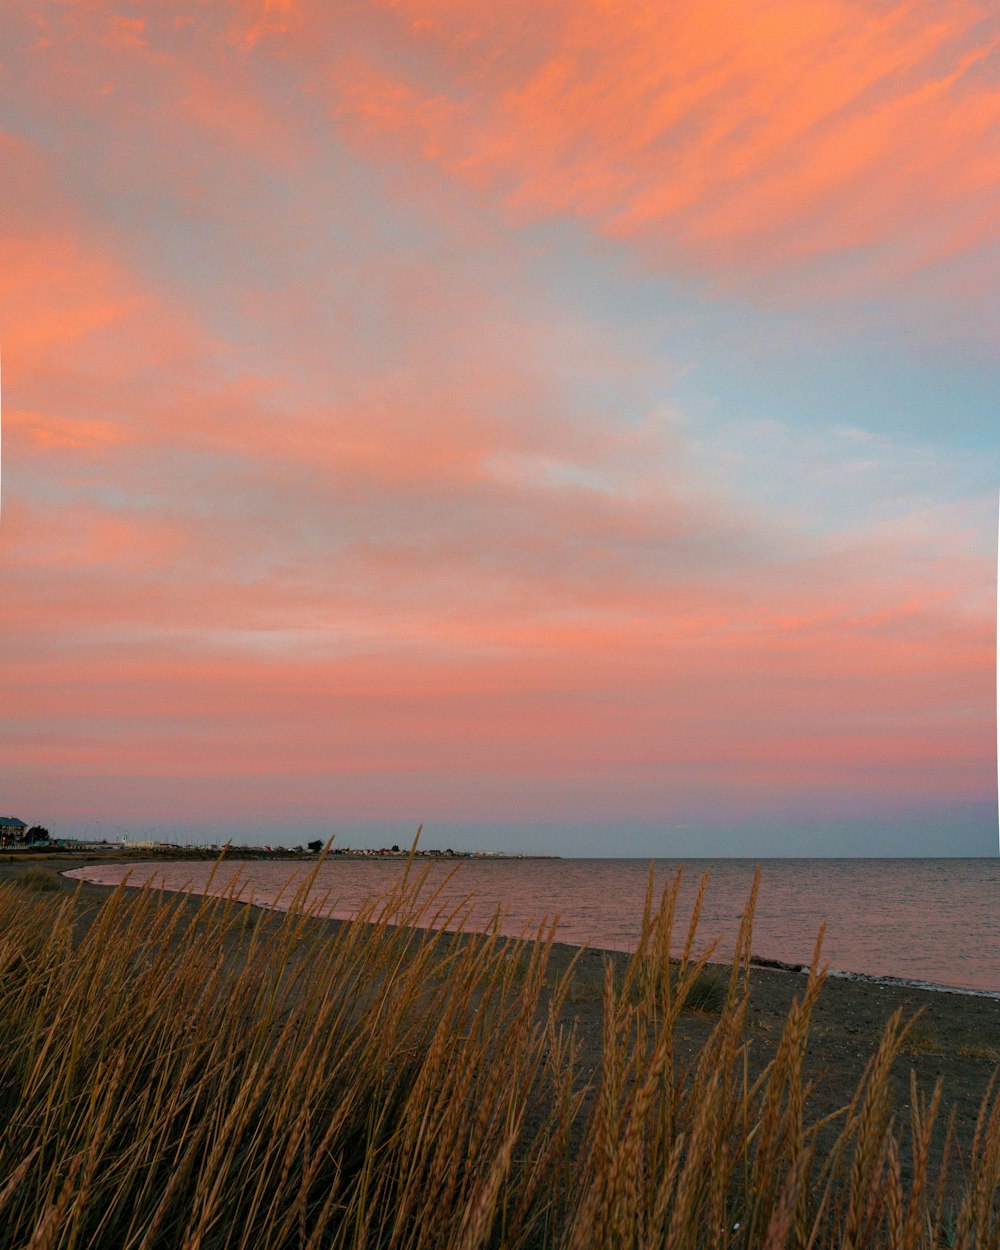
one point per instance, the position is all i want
(17, 835)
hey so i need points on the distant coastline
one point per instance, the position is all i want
(107, 852)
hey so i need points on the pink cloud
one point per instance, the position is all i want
(342, 510)
(717, 135)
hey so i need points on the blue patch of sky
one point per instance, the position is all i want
(796, 364)
(795, 408)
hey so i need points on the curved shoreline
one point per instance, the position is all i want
(763, 963)
(956, 1038)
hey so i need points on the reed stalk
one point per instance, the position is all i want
(194, 1074)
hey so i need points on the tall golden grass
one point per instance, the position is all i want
(200, 1076)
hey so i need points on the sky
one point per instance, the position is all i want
(571, 425)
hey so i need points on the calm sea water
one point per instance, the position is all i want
(927, 920)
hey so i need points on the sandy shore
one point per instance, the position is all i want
(957, 1038)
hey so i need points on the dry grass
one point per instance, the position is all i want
(978, 1050)
(921, 1039)
(217, 1083)
(41, 880)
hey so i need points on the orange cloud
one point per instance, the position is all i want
(53, 293)
(720, 134)
(725, 717)
(52, 430)
(305, 482)
(126, 32)
(79, 540)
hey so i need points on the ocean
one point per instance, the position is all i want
(932, 922)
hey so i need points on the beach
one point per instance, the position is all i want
(956, 1039)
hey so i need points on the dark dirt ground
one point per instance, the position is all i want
(956, 1039)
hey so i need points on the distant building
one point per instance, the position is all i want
(12, 830)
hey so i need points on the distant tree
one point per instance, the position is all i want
(395, 849)
(315, 847)
(38, 833)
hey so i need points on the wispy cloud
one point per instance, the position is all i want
(728, 138)
(315, 472)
